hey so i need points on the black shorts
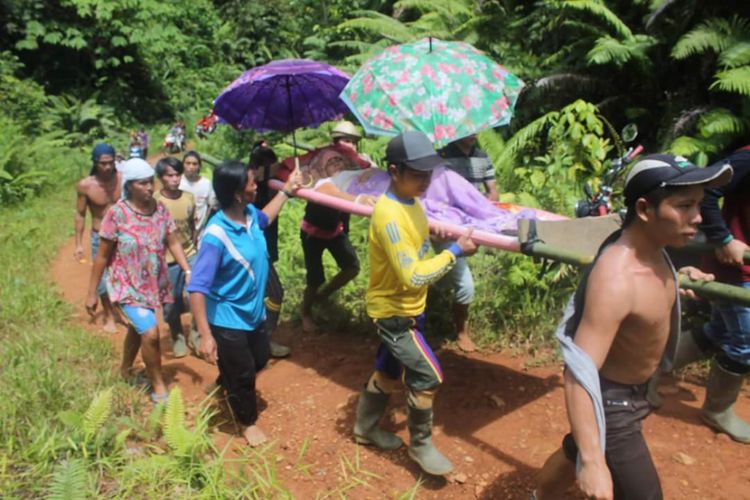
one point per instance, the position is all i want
(634, 476)
(340, 248)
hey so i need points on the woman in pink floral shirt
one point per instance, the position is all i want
(135, 233)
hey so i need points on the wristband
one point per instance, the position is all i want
(287, 193)
(189, 271)
(726, 240)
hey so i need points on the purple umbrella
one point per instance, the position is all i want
(283, 96)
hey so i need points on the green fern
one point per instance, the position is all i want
(598, 10)
(733, 80)
(174, 421)
(523, 139)
(379, 24)
(69, 481)
(446, 8)
(687, 146)
(609, 50)
(97, 413)
(735, 55)
(721, 121)
(714, 35)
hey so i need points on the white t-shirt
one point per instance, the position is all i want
(204, 195)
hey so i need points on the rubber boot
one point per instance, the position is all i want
(692, 346)
(722, 390)
(279, 351)
(194, 341)
(421, 449)
(370, 408)
(179, 347)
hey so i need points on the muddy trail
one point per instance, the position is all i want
(496, 419)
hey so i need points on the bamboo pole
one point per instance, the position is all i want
(701, 248)
(709, 289)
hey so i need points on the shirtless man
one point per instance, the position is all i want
(97, 193)
(622, 322)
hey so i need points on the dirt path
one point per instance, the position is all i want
(496, 420)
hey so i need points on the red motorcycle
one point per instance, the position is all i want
(206, 125)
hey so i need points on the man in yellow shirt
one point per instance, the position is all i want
(399, 275)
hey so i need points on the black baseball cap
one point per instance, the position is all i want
(660, 170)
(413, 149)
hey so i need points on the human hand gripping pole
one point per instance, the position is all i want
(694, 274)
(467, 245)
(732, 254)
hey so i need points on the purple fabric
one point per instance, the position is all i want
(451, 198)
(283, 96)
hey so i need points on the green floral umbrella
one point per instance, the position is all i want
(448, 90)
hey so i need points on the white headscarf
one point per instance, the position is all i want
(134, 169)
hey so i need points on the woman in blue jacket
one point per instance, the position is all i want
(228, 286)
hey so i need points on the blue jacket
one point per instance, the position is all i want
(232, 270)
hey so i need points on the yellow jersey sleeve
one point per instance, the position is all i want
(404, 243)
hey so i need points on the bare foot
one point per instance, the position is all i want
(109, 326)
(254, 436)
(465, 343)
(308, 325)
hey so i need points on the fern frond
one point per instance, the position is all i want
(733, 80)
(600, 11)
(609, 50)
(379, 24)
(98, 412)
(735, 55)
(714, 35)
(721, 121)
(523, 139)
(69, 481)
(174, 420)
(448, 9)
(689, 146)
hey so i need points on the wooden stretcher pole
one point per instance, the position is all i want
(700, 248)
(711, 290)
(708, 289)
(485, 238)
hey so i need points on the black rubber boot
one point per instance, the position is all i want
(722, 390)
(692, 346)
(370, 409)
(421, 449)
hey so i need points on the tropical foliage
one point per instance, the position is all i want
(73, 72)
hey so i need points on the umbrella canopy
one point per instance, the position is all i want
(448, 90)
(283, 96)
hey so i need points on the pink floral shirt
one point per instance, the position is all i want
(138, 268)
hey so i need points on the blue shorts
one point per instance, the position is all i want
(140, 318)
(101, 288)
(459, 278)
